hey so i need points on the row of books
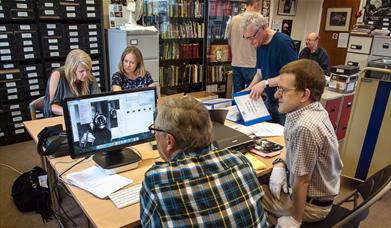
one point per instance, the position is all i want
(174, 8)
(217, 73)
(223, 8)
(217, 29)
(173, 50)
(180, 75)
(189, 29)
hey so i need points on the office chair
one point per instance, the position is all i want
(370, 191)
(35, 105)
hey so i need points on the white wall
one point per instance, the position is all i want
(307, 19)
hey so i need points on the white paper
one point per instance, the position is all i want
(343, 40)
(265, 129)
(250, 109)
(94, 180)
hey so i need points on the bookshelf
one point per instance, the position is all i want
(181, 43)
(218, 56)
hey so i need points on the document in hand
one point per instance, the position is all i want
(252, 111)
(98, 183)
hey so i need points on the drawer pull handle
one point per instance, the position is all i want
(349, 105)
(386, 45)
(351, 63)
(358, 47)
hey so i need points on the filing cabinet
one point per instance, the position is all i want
(35, 37)
(338, 106)
(359, 48)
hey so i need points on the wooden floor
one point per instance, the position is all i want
(23, 157)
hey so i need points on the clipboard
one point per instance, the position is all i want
(252, 111)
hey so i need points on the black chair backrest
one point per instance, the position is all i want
(375, 183)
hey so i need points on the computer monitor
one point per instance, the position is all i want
(105, 124)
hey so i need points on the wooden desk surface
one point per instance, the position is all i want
(103, 213)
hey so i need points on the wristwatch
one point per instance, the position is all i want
(267, 83)
(278, 160)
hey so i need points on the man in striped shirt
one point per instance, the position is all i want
(310, 175)
(194, 186)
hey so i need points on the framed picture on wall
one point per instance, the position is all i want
(287, 7)
(286, 27)
(338, 19)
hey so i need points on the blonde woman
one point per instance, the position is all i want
(131, 71)
(72, 80)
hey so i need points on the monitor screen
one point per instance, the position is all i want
(109, 121)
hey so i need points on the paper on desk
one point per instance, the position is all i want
(98, 183)
(265, 129)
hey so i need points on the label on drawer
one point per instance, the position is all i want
(94, 51)
(3, 36)
(90, 8)
(52, 41)
(28, 49)
(93, 39)
(18, 118)
(16, 106)
(21, 6)
(32, 75)
(93, 33)
(73, 34)
(91, 15)
(53, 47)
(15, 113)
(34, 87)
(33, 81)
(27, 42)
(49, 4)
(49, 12)
(26, 35)
(22, 14)
(9, 66)
(71, 15)
(19, 131)
(9, 76)
(72, 27)
(25, 27)
(93, 45)
(29, 56)
(5, 51)
(6, 57)
(4, 44)
(10, 84)
(39, 115)
(70, 8)
(13, 90)
(56, 65)
(54, 53)
(12, 97)
(94, 68)
(74, 40)
(35, 93)
(74, 46)
(18, 125)
(92, 26)
(31, 68)
(95, 73)
(50, 33)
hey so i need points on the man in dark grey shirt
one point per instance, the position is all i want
(314, 52)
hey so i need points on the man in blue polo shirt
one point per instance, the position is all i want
(274, 50)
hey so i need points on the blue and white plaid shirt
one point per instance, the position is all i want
(202, 189)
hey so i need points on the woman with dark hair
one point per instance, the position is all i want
(131, 71)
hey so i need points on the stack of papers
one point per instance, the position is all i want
(97, 182)
(264, 129)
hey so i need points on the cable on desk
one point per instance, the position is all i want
(10, 167)
(55, 185)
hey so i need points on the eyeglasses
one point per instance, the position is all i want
(253, 36)
(283, 90)
(153, 130)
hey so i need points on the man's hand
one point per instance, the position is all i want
(257, 90)
(287, 222)
(277, 181)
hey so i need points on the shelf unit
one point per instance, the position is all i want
(35, 37)
(181, 41)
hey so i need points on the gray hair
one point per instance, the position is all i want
(254, 18)
(187, 120)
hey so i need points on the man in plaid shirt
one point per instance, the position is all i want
(312, 159)
(194, 186)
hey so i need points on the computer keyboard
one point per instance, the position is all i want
(126, 197)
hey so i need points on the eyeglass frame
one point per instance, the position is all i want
(282, 91)
(253, 36)
(153, 130)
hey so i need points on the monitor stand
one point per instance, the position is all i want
(117, 161)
